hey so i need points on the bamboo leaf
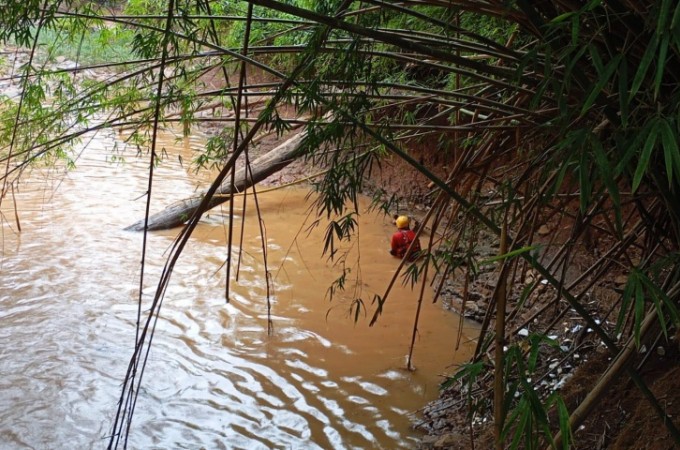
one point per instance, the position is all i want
(643, 164)
(676, 154)
(644, 65)
(508, 255)
(630, 149)
(670, 150)
(563, 417)
(575, 59)
(524, 295)
(624, 98)
(605, 172)
(538, 410)
(524, 423)
(560, 177)
(380, 301)
(661, 64)
(584, 181)
(533, 352)
(512, 418)
(575, 25)
(664, 13)
(626, 299)
(468, 372)
(563, 17)
(592, 4)
(658, 307)
(596, 59)
(358, 303)
(605, 75)
(676, 18)
(639, 308)
(661, 301)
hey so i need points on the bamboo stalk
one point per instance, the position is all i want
(613, 372)
(499, 341)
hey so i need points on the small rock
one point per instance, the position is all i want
(523, 332)
(560, 384)
(474, 296)
(448, 440)
(67, 64)
(485, 292)
(621, 280)
(429, 440)
(544, 230)
(660, 351)
(471, 308)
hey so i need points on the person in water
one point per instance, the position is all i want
(402, 238)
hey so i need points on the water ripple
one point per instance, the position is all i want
(215, 378)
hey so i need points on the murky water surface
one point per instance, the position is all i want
(215, 379)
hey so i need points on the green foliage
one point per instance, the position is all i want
(416, 270)
(28, 128)
(19, 17)
(338, 230)
(643, 291)
(528, 415)
(493, 28)
(338, 285)
(103, 45)
(470, 374)
(644, 127)
(215, 151)
(509, 255)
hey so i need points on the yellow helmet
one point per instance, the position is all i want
(402, 222)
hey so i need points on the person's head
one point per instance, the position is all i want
(402, 222)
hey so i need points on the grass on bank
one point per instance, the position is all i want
(95, 46)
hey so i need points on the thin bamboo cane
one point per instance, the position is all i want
(499, 341)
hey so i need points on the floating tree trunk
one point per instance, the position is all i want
(178, 213)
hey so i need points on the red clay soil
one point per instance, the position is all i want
(625, 420)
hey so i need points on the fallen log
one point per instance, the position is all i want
(178, 213)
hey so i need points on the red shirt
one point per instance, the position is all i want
(400, 242)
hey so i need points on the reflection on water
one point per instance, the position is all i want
(215, 379)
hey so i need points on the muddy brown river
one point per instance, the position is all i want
(215, 378)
